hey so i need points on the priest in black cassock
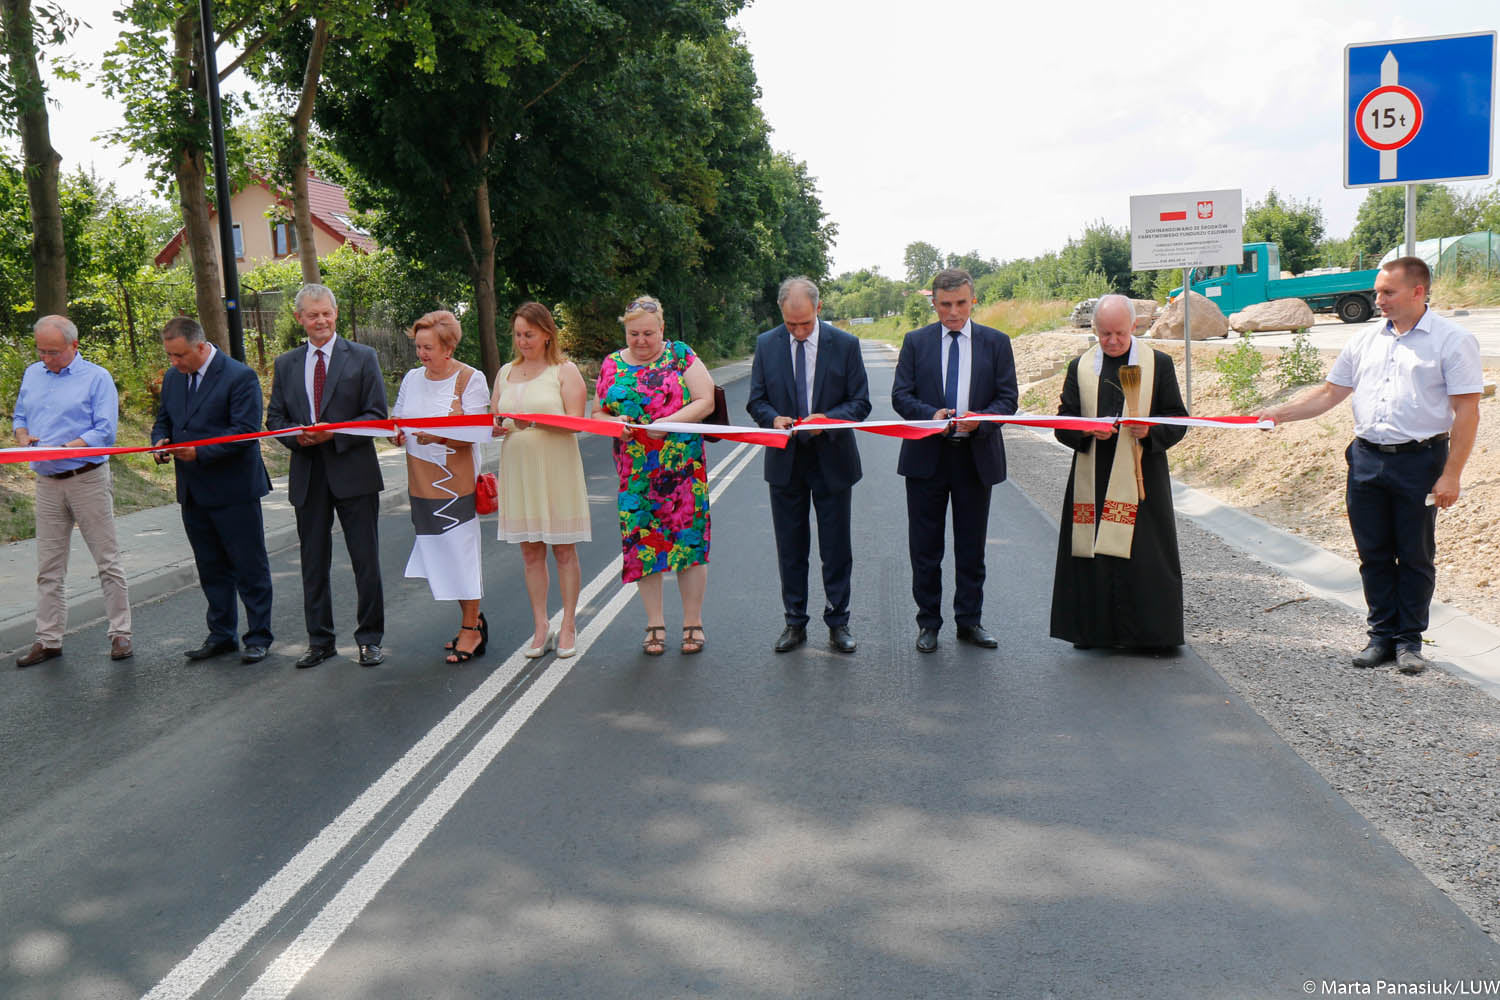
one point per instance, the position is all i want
(1118, 581)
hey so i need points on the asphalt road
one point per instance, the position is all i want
(1033, 821)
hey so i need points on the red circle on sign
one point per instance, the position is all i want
(1359, 117)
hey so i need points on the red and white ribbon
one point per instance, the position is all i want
(764, 436)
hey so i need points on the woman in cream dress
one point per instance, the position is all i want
(441, 468)
(543, 496)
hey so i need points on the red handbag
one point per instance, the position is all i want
(486, 494)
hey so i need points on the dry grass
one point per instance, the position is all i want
(1473, 290)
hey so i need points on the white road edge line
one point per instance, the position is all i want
(231, 937)
(324, 930)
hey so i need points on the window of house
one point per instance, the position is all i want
(283, 239)
(239, 242)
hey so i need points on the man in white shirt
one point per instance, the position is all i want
(1415, 382)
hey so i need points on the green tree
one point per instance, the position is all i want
(527, 173)
(1295, 227)
(28, 31)
(1381, 222)
(1101, 250)
(922, 261)
(974, 262)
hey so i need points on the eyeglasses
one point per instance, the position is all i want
(643, 305)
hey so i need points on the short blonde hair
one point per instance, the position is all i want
(443, 324)
(644, 305)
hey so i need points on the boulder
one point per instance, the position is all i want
(1279, 314)
(1145, 314)
(1208, 321)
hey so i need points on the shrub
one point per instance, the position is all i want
(918, 310)
(1299, 364)
(1239, 369)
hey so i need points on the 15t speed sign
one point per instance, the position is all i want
(1388, 118)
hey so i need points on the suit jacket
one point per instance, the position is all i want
(917, 393)
(227, 402)
(839, 390)
(353, 390)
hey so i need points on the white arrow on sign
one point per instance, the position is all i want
(1388, 79)
(1395, 117)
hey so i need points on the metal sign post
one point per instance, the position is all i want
(1187, 341)
(1186, 229)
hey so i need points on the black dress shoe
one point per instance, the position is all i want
(316, 655)
(1374, 655)
(371, 655)
(976, 635)
(927, 640)
(211, 648)
(1411, 661)
(253, 654)
(791, 637)
(841, 639)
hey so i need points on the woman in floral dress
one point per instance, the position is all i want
(663, 498)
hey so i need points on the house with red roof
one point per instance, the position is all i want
(263, 227)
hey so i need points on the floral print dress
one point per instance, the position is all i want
(663, 497)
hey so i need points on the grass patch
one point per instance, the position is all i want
(1470, 290)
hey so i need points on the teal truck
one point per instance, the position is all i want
(1256, 278)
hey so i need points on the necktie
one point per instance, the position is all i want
(799, 375)
(320, 375)
(950, 387)
(192, 383)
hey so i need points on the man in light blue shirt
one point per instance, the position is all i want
(68, 402)
(1415, 382)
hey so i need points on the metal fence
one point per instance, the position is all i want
(363, 324)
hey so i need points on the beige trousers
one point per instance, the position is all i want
(86, 500)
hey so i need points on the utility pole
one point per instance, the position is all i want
(221, 186)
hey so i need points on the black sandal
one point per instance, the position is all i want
(655, 642)
(484, 632)
(457, 655)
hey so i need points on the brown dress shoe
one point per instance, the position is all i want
(120, 648)
(37, 653)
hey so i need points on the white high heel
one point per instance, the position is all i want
(564, 652)
(549, 644)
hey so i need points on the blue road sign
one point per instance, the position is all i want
(1419, 109)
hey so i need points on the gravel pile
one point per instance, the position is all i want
(1419, 757)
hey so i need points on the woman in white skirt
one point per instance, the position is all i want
(543, 496)
(441, 469)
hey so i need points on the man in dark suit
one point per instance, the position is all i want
(806, 367)
(951, 368)
(208, 394)
(328, 380)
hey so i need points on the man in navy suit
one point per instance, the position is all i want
(803, 368)
(330, 380)
(952, 368)
(208, 394)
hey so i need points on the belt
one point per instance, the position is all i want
(71, 472)
(951, 439)
(1404, 446)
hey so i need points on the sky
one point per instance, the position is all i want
(1006, 128)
